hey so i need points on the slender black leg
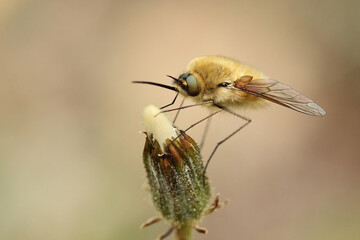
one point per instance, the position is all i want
(171, 102)
(178, 111)
(205, 133)
(194, 124)
(229, 136)
(188, 106)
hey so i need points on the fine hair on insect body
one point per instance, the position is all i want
(225, 84)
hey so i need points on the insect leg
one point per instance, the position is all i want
(205, 133)
(173, 101)
(226, 138)
(194, 124)
(188, 106)
(178, 111)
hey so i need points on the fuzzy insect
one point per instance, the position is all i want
(226, 84)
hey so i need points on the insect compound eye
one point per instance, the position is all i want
(192, 85)
(184, 76)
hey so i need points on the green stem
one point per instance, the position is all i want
(184, 231)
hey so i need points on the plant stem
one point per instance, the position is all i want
(184, 232)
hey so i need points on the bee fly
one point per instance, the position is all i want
(223, 84)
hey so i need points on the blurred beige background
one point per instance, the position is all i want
(70, 147)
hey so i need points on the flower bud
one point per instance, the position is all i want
(174, 170)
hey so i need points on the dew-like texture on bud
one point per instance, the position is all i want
(175, 175)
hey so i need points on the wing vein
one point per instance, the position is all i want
(282, 95)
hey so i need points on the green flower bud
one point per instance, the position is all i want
(174, 170)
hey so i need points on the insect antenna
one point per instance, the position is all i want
(173, 78)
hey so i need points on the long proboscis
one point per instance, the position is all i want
(157, 84)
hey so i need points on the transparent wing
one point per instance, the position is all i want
(282, 94)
